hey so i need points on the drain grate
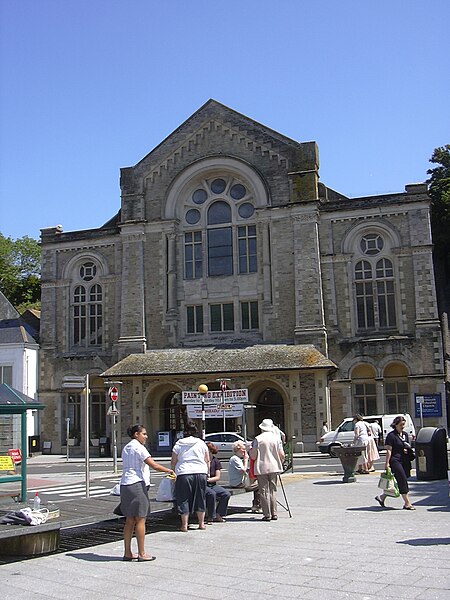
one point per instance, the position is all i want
(84, 536)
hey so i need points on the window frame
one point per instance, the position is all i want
(226, 310)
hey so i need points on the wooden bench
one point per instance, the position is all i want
(29, 540)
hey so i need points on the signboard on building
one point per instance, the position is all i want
(431, 405)
(216, 411)
(216, 397)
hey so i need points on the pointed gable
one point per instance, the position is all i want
(214, 130)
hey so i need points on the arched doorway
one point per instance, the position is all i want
(175, 414)
(269, 405)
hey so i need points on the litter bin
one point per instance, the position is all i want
(34, 443)
(104, 447)
(431, 454)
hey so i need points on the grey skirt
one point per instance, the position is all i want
(134, 500)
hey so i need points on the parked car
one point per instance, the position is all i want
(343, 434)
(224, 441)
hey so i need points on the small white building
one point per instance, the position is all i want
(19, 352)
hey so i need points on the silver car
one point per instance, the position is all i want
(224, 441)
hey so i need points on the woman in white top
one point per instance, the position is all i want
(361, 438)
(190, 460)
(134, 502)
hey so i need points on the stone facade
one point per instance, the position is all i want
(226, 238)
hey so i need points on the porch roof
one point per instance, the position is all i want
(12, 401)
(184, 361)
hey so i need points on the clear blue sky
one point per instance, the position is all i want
(90, 86)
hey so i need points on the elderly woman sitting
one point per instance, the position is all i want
(238, 466)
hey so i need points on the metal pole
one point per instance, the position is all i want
(86, 435)
(115, 444)
(67, 438)
(203, 419)
(223, 411)
(244, 423)
(24, 450)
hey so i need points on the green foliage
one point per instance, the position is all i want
(20, 271)
(439, 183)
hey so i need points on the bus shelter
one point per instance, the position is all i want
(13, 439)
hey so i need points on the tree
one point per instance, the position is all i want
(439, 186)
(20, 271)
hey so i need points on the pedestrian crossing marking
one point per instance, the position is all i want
(71, 488)
(102, 492)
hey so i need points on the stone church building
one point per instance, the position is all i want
(230, 259)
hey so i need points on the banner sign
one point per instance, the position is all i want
(215, 397)
(431, 405)
(215, 412)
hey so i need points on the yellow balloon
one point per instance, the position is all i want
(203, 389)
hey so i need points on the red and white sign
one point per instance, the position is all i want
(14, 453)
(113, 394)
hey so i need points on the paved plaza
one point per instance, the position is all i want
(338, 544)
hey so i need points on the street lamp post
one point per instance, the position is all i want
(223, 387)
(203, 390)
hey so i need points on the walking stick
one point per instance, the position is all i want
(285, 498)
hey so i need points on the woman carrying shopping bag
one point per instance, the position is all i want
(398, 458)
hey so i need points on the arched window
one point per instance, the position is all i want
(385, 293)
(364, 295)
(224, 207)
(364, 390)
(396, 389)
(220, 242)
(87, 306)
(374, 286)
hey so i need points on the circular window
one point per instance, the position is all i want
(238, 191)
(199, 196)
(246, 210)
(218, 186)
(193, 216)
(88, 271)
(371, 244)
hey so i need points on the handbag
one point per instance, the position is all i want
(410, 454)
(388, 484)
(385, 477)
(165, 490)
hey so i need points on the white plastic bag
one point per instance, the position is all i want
(165, 490)
(115, 491)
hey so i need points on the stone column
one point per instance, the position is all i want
(309, 308)
(132, 311)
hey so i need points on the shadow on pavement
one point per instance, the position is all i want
(91, 557)
(426, 542)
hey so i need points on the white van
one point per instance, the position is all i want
(343, 435)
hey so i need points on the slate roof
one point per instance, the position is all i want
(183, 361)
(7, 310)
(16, 331)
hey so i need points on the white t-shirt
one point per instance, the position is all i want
(133, 466)
(191, 452)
